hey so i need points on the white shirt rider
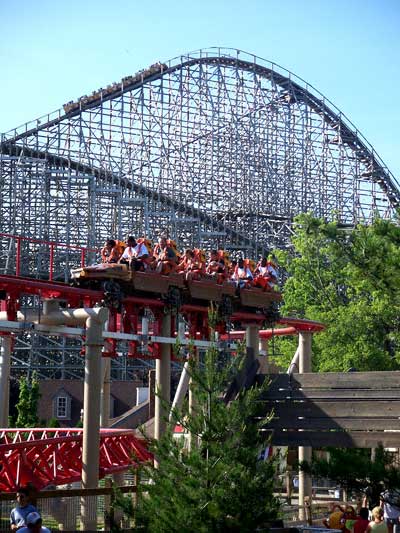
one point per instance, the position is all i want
(134, 251)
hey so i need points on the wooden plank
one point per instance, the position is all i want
(337, 380)
(321, 409)
(319, 439)
(355, 424)
(333, 394)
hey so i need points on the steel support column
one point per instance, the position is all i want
(105, 392)
(305, 481)
(252, 339)
(91, 416)
(163, 380)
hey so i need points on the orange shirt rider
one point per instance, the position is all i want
(165, 257)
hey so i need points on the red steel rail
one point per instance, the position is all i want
(52, 247)
(48, 456)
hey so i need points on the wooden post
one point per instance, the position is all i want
(108, 507)
(288, 479)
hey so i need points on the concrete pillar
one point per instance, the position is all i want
(305, 481)
(91, 416)
(163, 380)
(105, 392)
(5, 365)
(252, 339)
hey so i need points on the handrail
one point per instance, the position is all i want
(53, 245)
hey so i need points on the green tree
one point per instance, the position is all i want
(221, 484)
(53, 423)
(27, 406)
(355, 471)
(350, 281)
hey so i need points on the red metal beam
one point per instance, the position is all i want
(47, 456)
(48, 289)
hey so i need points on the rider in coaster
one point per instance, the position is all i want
(242, 275)
(135, 255)
(110, 252)
(273, 270)
(216, 267)
(262, 277)
(165, 257)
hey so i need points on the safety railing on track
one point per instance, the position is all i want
(54, 456)
(30, 257)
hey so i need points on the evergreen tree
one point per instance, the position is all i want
(222, 483)
(354, 470)
(27, 406)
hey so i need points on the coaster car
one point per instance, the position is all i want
(117, 280)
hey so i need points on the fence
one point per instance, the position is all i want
(60, 509)
(30, 257)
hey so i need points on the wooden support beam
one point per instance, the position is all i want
(336, 380)
(325, 423)
(335, 409)
(333, 394)
(351, 439)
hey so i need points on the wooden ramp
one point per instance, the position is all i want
(355, 409)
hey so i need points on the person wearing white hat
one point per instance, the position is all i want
(34, 524)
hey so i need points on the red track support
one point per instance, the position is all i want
(54, 456)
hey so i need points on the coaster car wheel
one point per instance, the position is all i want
(271, 313)
(113, 294)
(173, 298)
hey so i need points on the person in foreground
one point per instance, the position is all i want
(34, 524)
(377, 525)
(362, 522)
(22, 509)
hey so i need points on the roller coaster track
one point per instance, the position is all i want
(335, 118)
(145, 192)
(54, 456)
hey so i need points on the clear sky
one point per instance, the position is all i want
(53, 51)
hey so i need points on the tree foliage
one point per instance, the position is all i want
(27, 406)
(354, 470)
(220, 484)
(350, 281)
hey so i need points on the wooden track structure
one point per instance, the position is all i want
(349, 410)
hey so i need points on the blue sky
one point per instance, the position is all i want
(55, 51)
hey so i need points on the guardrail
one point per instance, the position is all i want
(20, 253)
(60, 509)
